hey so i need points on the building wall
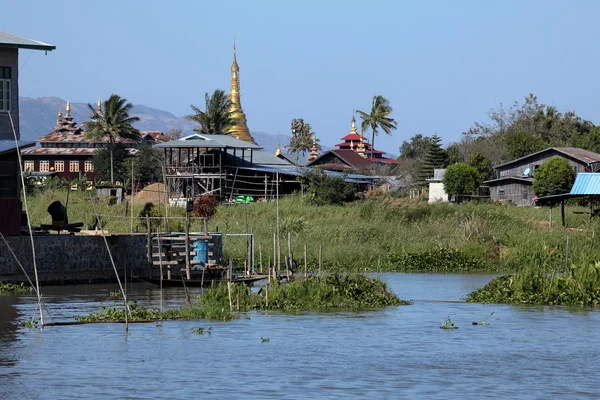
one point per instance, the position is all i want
(9, 57)
(437, 192)
(533, 162)
(519, 193)
(66, 159)
(76, 258)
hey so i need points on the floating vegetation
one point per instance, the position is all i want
(14, 288)
(31, 323)
(114, 295)
(448, 324)
(200, 331)
(349, 292)
(265, 339)
(578, 286)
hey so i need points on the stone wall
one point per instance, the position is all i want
(75, 258)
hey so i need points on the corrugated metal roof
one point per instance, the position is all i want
(586, 183)
(582, 155)
(9, 145)
(299, 171)
(262, 157)
(210, 141)
(10, 40)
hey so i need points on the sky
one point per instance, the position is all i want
(441, 64)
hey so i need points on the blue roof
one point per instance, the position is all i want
(9, 145)
(586, 183)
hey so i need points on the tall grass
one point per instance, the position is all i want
(376, 235)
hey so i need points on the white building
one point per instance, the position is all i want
(436, 187)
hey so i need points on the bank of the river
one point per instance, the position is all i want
(375, 235)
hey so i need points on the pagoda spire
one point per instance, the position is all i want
(353, 128)
(99, 106)
(60, 117)
(240, 129)
(314, 152)
(278, 151)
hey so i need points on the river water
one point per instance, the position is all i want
(400, 352)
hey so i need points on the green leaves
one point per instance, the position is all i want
(216, 119)
(461, 178)
(555, 176)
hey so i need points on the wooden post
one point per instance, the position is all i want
(266, 185)
(161, 270)
(205, 226)
(278, 262)
(269, 270)
(260, 257)
(132, 195)
(149, 238)
(166, 197)
(320, 258)
(187, 245)
(305, 262)
(550, 223)
(290, 257)
(562, 212)
(591, 210)
(274, 249)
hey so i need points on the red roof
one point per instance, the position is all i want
(352, 136)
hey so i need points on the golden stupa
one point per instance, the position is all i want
(240, 129)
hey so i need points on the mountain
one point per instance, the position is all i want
(38, 118)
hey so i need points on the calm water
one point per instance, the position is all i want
(400, 352)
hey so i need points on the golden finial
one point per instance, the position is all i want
(278, 151)
(99, 105)
(351, 145)
(234, 64)
(353, 129)
(60, 116)
(361, 144)
(68, 108)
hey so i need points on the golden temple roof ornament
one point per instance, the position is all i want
(240, 129)
(60, 117)
(314, 152)
(278, 151)
(99, 106)
(353, 129)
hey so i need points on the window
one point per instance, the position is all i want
(4, 89)
(59, 166)
(88, 166)
(29, 166)
(74, 166)
(44, 166)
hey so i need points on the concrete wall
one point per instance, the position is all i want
(9, 57)
(75, 258)
(437, 192)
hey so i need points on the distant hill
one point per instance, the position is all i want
(38, 118)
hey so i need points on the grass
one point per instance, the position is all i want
(578, 286)
(347, 292)
(379, 234)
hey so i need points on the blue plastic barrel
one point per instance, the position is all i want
(201, 249)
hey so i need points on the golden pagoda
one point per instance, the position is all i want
(314, 151)
(240, 129)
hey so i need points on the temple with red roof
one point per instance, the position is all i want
(353, 153)
(67, 152)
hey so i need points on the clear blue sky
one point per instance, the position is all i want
(442, 64)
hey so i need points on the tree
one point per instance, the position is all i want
(482, 165)
(416, 148)
(111, 164)
(555, 176)
(520, 144)
(325, 190)
(460, 179)
(453, 154)
(147, 166)
(378, 118)
(113, 122)
(302, 138)
(216, 119)
(435, 158)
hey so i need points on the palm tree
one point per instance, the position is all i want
(113, 122)
(378, 118)
(217, 119)
(302, 138)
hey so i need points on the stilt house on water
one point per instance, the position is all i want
(228, 167)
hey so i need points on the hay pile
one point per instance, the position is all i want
(154, 193)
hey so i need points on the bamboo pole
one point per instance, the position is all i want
(305, 262)
(274, 250)
(320, 258)
(131, 200)
(148, 237)
(112, 261)
(160, 265)
(188, 273)
(290, 261)
(35, 270)
(277, 208)
(260, 257)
